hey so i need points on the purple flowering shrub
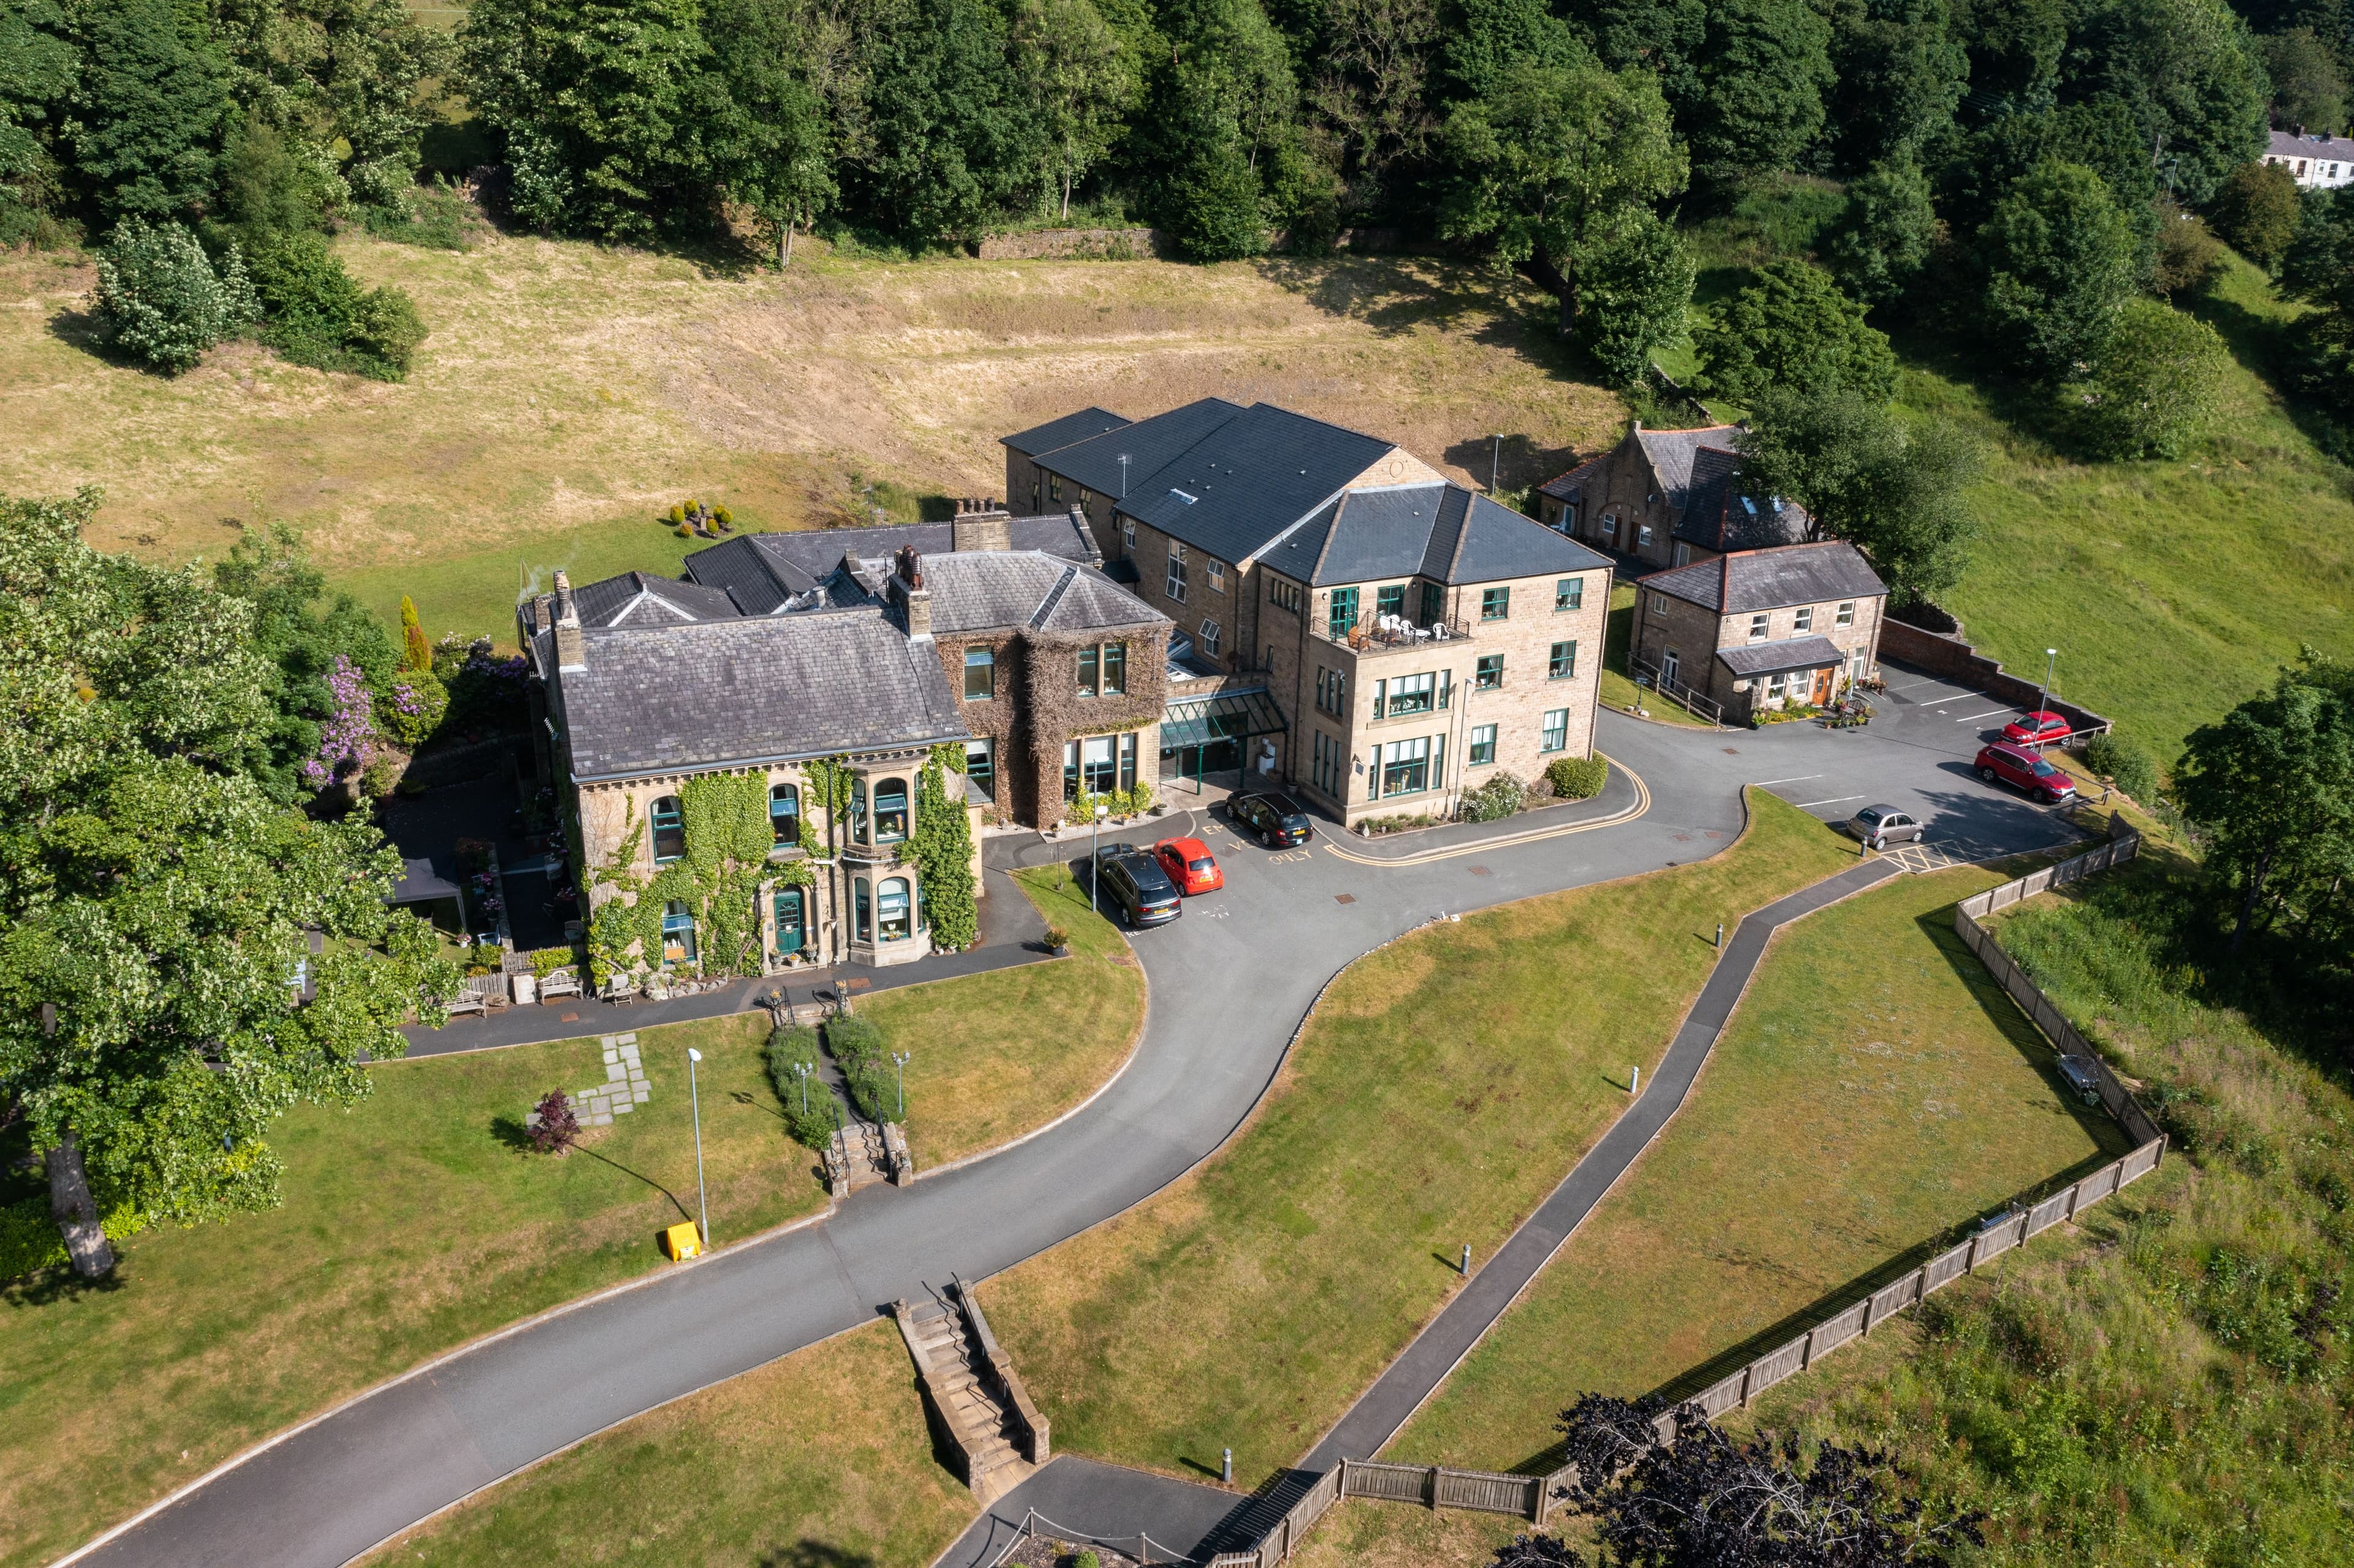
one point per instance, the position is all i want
(347, 740)
(415, 708)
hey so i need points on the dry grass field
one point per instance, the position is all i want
(569, 393)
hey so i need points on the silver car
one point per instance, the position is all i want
(1880, 826)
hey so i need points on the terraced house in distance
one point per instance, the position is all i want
(1349, 620)
(872, 647)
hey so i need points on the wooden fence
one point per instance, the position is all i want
(1533, 1497)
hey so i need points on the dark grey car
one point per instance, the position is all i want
(1130, 882)
(1881, 826)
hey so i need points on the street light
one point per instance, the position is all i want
(801, 1070)
(1095, 864)
(695, 1097)
(1494, 451)
(899, 1060)
(1123, 476)
(2051, 664)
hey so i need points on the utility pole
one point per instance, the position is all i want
(2051, 666)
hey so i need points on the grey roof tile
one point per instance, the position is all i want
(1439, 531)
(1671, 453)
(1570, 486)
(722, 693)
(1233, 492)
(1066, 431)
(641, 598)
(1150, 444)
(1782, 654)
(1750, 580)
(1720, 516)
(762, 570)
(978, 590)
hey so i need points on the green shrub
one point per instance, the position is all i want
(161, 300)
(435, 217)
(1498, 797)
(787, 1044)
(2123, 763)
(417, 703)
(30, 1239)
(863, 1051)
(318, 315)
(1578, 777)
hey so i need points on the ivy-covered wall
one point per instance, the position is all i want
(1038, 708)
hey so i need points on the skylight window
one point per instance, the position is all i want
(1181, 495)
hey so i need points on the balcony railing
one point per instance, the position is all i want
(1381, 633)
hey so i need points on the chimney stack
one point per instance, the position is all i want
(571, 649)
(980, 525)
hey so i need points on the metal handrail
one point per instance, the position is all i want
(1032, 1519)
(1366, 631)
(1676, 691)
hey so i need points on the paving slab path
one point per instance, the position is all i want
(1229, 984)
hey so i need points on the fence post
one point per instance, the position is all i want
(1430, 1486)
(1970, 1263)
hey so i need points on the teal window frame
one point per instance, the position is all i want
(1561, 664)
(890, 811)
(1495, 604)
(980, 662)
(666, 825)
(1389, 599)
(893, 909)
(785, 813)
(1483, 744)
(1487, 675)
(678, 919)
(1555, 733)
(1568, 594)
(1340, 618)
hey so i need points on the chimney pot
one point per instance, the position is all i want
(571, 648)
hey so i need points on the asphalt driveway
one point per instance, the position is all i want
(1230, 983)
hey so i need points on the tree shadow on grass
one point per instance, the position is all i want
(811, 1552)
(511, 1131)
(1516, 463)
(47, 1287)
(2272, 350)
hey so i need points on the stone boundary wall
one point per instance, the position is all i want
(1946, 654)
(1533, 1497)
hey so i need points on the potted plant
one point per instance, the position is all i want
(1058, 941)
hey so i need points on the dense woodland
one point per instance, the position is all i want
(2028, 163)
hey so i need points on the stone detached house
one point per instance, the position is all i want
(1759, 628)
(1669, 498)
(994, 633)
(1347, 620)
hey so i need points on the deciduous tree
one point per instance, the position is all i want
(2059, 261)
(2255, 211)
(151, 108)
(1082, 80)
(161, 300)
(2271, 785)
(2308, 88)
(1792, 328)
(2154, 384)
(1758, 87)
(1883, 239)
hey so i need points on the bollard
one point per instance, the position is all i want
(1226, 1468)
(1635, 1081)
(1720, 934)
(1464, 1270)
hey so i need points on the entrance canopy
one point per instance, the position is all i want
(1779, 658)
(421, 883)
(1229, 716)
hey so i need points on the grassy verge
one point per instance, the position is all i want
(1873, 1092)
(818, 1460)
(994, 1055)
(2167, 1384)
(411, 1223)
(1618, 690)
(1444, 1085)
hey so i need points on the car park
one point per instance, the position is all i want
(1132, 882)
(2017, 766)
(1880, 826)
(2041, 728)
(1273, 817)
(1189, 863)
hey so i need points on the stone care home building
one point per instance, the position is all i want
(1762, 628)
(1348, 622)
(993, 633)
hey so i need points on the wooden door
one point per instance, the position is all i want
(1823, 679)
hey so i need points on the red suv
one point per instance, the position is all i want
(2017, 765)
(2039, 728)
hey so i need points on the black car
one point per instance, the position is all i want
(1131, 881)
(1275, 820)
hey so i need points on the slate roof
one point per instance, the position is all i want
(1150, 444)
(1570, 486)
(636, 598)
(2288, 144)
(1439, 530)
(1671, 453)
(1235, 491)
(1783, 655)
(978, 589)
(1063, 432)
(1750, 580)
(760, 571)
(1718, 516)
(752, 690)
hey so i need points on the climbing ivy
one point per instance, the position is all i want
(826, 783)
(942, 850)
(728, 835)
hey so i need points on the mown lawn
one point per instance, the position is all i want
(1442, 1087)
(1874, 1091)
(1618, 686)
(820, 1460)
(991, 1056)
(411, 1223)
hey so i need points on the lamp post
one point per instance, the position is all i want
(899, 1060)
(1094, 865)
(1123, 476)
(695, 1097)
(1495, 450)
(2050, 664)
(801, 1070)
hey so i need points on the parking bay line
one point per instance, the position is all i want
(1801, 778)
(1810, 805)
(1990, 712)
(1941, 702)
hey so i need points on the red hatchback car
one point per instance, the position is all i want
(2017, 765)
(1190, 865)
(2039, 728)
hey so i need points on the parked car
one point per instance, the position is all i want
(1136, 887)
(1273, 817)
(1880, 826)
(2018, 765)
(1190, 865)
(2082, 1078)
(2041, 728)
